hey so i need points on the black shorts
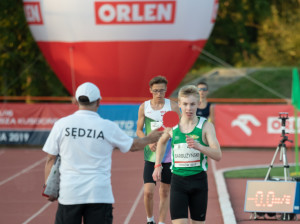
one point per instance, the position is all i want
(165, 173)
(189, 193)
(90, 213)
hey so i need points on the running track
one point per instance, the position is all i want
(21, 180)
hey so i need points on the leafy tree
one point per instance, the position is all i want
(279, 39)
(245, 29)
(23, 69)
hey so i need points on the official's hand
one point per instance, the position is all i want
(51, 198)
(157, 174)
(154, 135)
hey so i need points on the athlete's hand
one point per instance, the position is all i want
(157, 174)
(192, 143)
(153, 147)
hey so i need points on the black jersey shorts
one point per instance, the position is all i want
(189, 193)
(165, 173)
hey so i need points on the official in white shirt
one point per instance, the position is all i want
(85, 142)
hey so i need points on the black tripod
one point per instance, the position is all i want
(283, 116)
(282, 147)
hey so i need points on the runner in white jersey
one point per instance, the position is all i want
(153, 120)
(193, 140)
(85, 143)
(150, 117)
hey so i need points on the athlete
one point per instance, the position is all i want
(150, 115)
(205, 109)
(85, 143)
(193, 141)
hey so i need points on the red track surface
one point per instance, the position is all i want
(21, 180)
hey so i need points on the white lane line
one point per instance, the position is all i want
(37, 213)
(224, 199)
(138, 198)
(22, 171)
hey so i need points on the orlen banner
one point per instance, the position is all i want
(120, 45)
(30, 124)
(253, 125)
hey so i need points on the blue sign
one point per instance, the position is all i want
(125, 115)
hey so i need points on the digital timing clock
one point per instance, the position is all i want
(273, 196)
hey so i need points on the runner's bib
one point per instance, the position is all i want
(186, 157)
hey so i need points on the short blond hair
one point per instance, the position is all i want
(188, 90)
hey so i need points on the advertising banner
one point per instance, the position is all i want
(236, 125)
(253, 125)
(30, 124)
(125, 116)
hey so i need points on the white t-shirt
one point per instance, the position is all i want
(85, 143)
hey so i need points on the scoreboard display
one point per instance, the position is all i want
(272, 196)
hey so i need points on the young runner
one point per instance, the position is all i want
(193, 140)
(205, 109)
(150, 115)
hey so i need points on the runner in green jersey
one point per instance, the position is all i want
(193, 140)
(188, 161)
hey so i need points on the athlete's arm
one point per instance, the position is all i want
(211, 113)
(213, 149)
(140, 122)
(175, 107)
(140, 126)
(160, 151)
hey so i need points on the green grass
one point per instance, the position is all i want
(277, 79)
(257, 172)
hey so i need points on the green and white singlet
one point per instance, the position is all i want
(188, 161)
(153, 120)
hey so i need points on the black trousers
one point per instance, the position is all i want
(98, 213)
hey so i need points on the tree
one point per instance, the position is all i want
(245, 29)
(279, 39)
(23, 69)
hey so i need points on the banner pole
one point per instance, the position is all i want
(296, 142)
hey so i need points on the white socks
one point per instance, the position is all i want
(150, 219)
(161, 223)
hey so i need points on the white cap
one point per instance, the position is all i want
(89, 90)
